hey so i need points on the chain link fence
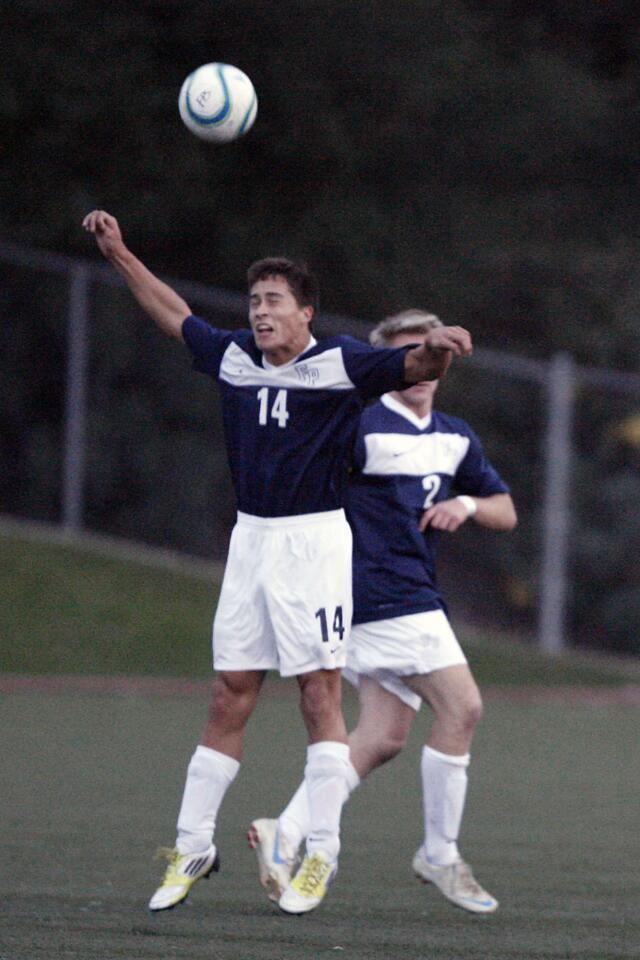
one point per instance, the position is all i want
(106, 428)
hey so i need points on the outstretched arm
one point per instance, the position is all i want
(165, 307)
(431, 359)
(496, 512)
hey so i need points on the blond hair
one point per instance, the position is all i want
(407, 321)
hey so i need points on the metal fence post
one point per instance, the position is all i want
(74, 456)
(556, 515)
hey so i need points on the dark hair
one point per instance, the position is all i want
(302, 282)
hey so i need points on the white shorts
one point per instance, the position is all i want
(388, 650)
(285, 602)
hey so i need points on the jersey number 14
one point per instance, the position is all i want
(279, 410)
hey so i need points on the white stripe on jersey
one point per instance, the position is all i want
(324, 371)
(412, 455)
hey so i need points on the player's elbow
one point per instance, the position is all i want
(499, 513)
(176, 330)
(171, 323)
(509, 518)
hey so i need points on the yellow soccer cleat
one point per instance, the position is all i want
(183, 871)
(310, 884)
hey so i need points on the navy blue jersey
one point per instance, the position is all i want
(402, 467)
(290, 429)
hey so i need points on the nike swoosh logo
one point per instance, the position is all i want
(277, 858)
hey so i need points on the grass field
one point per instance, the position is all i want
(92, 783)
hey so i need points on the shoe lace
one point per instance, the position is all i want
(171, 873)
(166, 853)
(466, 878)
(312, 873)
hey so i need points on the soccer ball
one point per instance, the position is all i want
(217, 102)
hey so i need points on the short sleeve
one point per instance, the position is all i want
(476, 476)
(374, 370)
(207, 344)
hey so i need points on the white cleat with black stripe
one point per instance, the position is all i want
(183, 871)
(456, 882)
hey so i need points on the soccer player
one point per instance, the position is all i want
(408, 460)
(290, 411)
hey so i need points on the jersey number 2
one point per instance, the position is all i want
(279, 410)
(431, 484)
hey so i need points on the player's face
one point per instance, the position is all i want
(280, 325)
(419, 397)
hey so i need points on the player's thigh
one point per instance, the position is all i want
(382, 714)
(242, 634)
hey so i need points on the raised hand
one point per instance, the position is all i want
(456, 339)
(165, 307)
(106, 230)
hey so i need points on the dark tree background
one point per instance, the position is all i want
(480, 159)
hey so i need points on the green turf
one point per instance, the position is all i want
(75, 609)
(92, 784)
(496, 659)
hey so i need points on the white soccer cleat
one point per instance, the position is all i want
(276, 857)
(310, 884)
(456, 882)
(181, 874)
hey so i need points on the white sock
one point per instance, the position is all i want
(209, 775)
(295, 820)
(326, 778)
(444, 788)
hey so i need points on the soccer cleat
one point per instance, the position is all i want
(181, 874)
(276, 857)
(310, 884)
(456, 882)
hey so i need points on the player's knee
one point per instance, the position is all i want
(375, 745)
(389, 746)
(231, 704)
(469, 712)
(319, 699)
(461, 715)
(475, 709)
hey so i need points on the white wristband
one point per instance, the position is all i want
(469, 503)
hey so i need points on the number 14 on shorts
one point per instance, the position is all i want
(338, 624)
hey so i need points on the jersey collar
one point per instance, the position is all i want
(400, 408)
(272, 366)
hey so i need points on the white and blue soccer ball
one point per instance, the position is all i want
(218, 102)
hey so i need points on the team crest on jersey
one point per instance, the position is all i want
(325, 371)
(308, 375)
